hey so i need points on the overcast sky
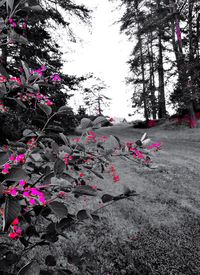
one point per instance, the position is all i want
(104, 51)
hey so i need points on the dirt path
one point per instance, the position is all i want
(163, 223)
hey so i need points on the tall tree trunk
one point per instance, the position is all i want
(152, 78)
(161, 87)
(144, 96)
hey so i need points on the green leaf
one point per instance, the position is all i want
(99, 120)
(19, 102)
(26, 69)
(64, 109)
(85, 123)
(10, 3)
(18, 38)
(3, 157)
(31, 268)
(64, 138)
(82, 215)
(29, 133)
(17, 174)
(11, 211)
(106, 198)
(4, 72)
(97, 174)
(58, 208)
(59, 167)
(45, 108)
(85, 190)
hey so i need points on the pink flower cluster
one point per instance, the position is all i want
(31, 143)
(12, 22)
(156, 146)
(39, 97)
(32, 194)
(137, 154)
(115, 176)
(16, 230)
(18, 159)
(39, 71)
(55, 78)
(67, 158)
(92, 137)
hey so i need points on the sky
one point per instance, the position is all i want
(102, 50)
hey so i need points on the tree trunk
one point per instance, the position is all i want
(161, 87)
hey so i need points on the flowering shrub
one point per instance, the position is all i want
(40, 171)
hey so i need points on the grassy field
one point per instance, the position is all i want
(158, 233)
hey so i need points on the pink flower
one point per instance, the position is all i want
(14, 192)
(56, 78)
(32, 201)
(2, 79)
(43, 68)
(49, 103)
(15, 222)
(12, 158)
(94, 187)
(5, 171)
(20, 158)
(116, 178)
(6, 166)
(13, 235)
(26, 194)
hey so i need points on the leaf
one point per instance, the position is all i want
(4, 72)
(85, 123)
(3, 157)
(17, 37)
(99, 120)
(45, 108)
(85, 190)
(29, 133)
(50, 260)
(97, 174)
(19, 102)
(64, 224)
(11, 211)
(59, 167)
(64, 109)
(82, 215)
(17, 174)
(10, 3)
(26, 69)
(2, 2)
(64, 138)
(55, 147)
(31, 268)
(59, 209)
(106, 198)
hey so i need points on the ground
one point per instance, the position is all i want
(162, 224)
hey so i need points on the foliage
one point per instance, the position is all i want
(43, 169)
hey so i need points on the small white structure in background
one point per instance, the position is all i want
(119, 120)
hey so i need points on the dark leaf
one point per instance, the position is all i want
(31, 268)
(45, 108)
(11, 211)
(85, 190)
(64, 272)
(26, 69)
(31, 231)
(17, 174)
(106, 198)
(59, 167)
(50, 237)
(64, 224)
(11, 258)
(95, 217)
(50, 260)
(24, 241)
(82, 215)
(29, 133)
(3, 157)
(19, 102)
(3, 72)
(59, 209)
(97, 174)
(64, 138)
